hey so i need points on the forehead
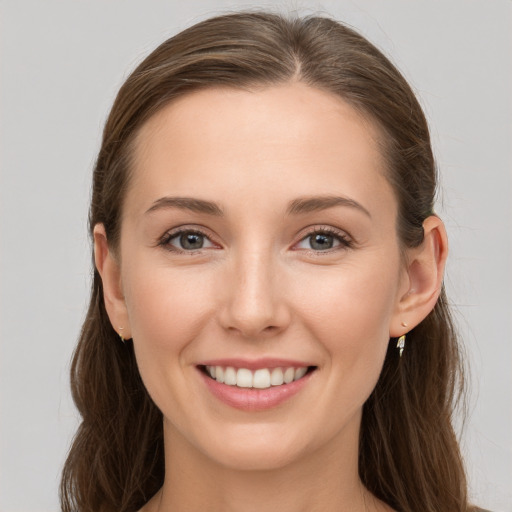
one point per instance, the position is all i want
(231, 141)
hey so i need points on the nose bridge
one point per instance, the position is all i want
(255, 305)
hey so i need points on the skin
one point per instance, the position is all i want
(258, 288)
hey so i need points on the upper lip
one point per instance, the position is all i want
(255, 364)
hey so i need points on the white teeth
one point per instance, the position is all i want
(288, 375)
(300, 372)
(244, 378)
(276, 378)
(260, 379)
(230, 376)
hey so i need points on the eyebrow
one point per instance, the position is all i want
(187, 203)
(318, 203)
(295, 207)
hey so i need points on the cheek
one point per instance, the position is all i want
(165, 307)
(349, 316)
(349, 311)
(167, 312)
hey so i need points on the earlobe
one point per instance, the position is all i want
(425, 270)
(110, 272)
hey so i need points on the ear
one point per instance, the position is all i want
(110, 272)
(424, 278)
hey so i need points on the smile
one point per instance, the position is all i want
(258, 388)
(261, 378)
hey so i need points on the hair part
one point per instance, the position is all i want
(409, 455)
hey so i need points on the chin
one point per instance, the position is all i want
(256, 449)
(256, 458)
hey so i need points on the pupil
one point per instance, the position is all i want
(322, 242)
(191, 241)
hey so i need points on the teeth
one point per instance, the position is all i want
(244, 378)
(230, 376)
(260, 379)
(276, 377)
(300, 372)
(289, 373)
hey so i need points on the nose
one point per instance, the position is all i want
(254, 303)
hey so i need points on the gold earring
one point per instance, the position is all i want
(120, 335)
(401, 344)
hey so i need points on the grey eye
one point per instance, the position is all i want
(321, 241)
(188, 241)
(191, 241)
(324, 240)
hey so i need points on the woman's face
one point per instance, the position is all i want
(258, 235)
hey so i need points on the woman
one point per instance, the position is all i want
(268, 328)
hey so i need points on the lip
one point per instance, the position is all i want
(250, 399)
(255, 364)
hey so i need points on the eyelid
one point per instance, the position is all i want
(346, 240)
(164, 240)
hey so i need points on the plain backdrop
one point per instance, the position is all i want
(61, 65)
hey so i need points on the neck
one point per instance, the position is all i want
(326, 480)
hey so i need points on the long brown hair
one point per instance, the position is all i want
(409, 455)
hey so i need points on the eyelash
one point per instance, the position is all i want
(166, 239)
(345, 242)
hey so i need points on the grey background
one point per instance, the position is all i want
(61, 64)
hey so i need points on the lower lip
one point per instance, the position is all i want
(250, 399)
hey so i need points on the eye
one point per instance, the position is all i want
(324, 240)
(186, 241)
